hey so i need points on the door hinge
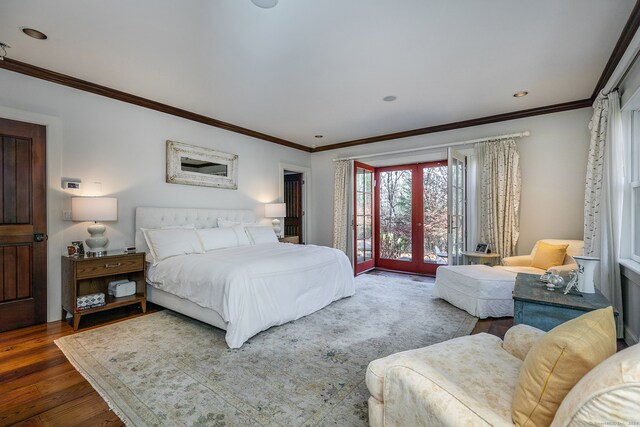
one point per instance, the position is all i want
(303, 182)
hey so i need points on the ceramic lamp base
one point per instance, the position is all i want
(98, 242)
(276, 226)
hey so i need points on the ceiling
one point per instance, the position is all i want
(311, 67)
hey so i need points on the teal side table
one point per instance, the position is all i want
(534, 305)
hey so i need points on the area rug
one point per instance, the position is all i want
(167, 369)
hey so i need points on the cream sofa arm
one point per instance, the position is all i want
(519, 339)
(517, 261)
(423, 397)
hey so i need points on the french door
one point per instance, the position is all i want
(411, 217)
(363, 179)
(457, 206)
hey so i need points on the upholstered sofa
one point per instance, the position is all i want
(471, 380)
(522, 263)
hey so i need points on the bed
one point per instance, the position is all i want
(246, 289)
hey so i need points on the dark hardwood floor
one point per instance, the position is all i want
(39, 387)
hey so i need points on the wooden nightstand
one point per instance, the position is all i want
(83, 275)
(290, 239)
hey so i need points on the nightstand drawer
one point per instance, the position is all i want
(101, 267)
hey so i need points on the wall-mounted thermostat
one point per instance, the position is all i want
(71, 184)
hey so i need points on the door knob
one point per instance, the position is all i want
(39, 237)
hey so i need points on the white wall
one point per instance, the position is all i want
(553, 165)
(123, 147)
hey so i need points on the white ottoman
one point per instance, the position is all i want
(480, 290)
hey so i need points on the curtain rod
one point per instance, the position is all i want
(431, 147)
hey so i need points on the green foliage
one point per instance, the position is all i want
(395, 213)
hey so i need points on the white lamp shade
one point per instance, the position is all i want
(275, 210)
(94, 209)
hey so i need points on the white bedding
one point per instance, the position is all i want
(255, 287)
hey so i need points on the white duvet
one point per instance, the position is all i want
(255, 287)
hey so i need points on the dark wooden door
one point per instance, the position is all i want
(293, 199)
(23, 225)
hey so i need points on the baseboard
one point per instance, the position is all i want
(629, 337)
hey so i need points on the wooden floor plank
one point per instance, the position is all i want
(17, 397)
(18, 413)
(35, 377)
(78, 412)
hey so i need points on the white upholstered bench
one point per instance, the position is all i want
(480, 290)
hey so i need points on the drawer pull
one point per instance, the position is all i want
(112, 265)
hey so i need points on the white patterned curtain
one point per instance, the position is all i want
(499, 170)
(604, 196)
(341, 197)
(595, 165)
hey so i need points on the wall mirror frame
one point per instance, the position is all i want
(192, 165)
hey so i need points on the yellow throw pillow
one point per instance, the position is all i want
(557, 361)
(548, 255)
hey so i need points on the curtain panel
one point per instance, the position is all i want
(500, 186)
(604, 194)
(341, 196)
(595, 165)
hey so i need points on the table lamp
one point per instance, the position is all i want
(95, 209)
(275, 211)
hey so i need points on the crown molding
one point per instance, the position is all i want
(555, 108)
(65, 80)
(627, 34)
(629, 30)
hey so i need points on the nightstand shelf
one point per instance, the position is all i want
(87, 275)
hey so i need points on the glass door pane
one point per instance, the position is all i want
(396, 215)
(457, 204)
(434, 223)
(363, 212)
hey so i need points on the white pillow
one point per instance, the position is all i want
(241, 234)
(218, 238)
(172, 241)
(150, 257)
(261, 235)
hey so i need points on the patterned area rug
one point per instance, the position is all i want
(167, 369)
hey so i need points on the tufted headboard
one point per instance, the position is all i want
(202, 218)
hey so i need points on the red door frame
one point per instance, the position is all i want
(369, 264)
(417, 264)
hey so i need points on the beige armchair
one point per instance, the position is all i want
(471, 381)
(522, 263)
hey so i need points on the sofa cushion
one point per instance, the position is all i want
(613, 384)
(548, 255)
(557, 361)
(476, 364)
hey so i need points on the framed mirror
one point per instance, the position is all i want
(191, 165)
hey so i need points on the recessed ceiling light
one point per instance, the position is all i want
(389, 98)
(520, 94)
(319, 136)
(34, 33)
(265, 4)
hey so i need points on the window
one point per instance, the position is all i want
(635, 188)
